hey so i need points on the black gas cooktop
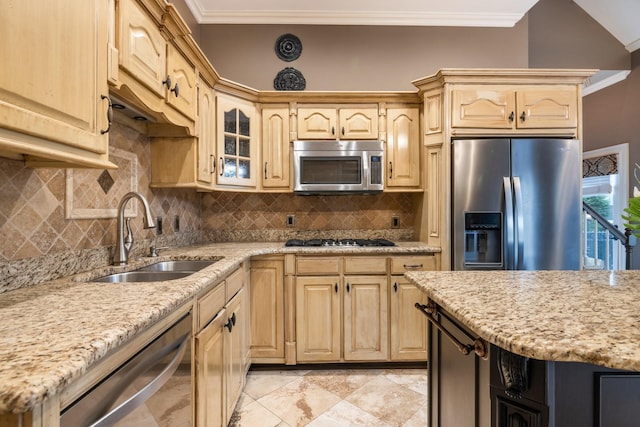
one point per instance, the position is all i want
(339, 242)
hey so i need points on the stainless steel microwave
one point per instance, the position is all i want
(338, 167)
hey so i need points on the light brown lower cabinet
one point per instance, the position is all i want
(267, 311)
(221, 363)
(408, 334)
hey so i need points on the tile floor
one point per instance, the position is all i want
(333, 397)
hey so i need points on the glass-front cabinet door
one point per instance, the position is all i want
(236, 142)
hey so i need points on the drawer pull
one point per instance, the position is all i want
(412, 266)
(479, 346)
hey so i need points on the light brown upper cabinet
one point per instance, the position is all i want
(276, 157)
(236, 142)
(338, 122)
(53, 107)
(505, 107)
(153, 73)
(403, 149)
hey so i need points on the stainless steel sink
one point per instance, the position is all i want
(143, 276)
(183, 265)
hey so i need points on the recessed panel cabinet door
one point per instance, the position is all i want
(183, 93)
(267, 309)
(275, 147)
(206, 135)
(318, 336)
(143, 49)
(366, 335)
(209, 387)
(53, 74)
(403, 148)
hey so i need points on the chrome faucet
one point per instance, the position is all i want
(121, 253)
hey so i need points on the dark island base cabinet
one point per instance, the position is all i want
(469, 391)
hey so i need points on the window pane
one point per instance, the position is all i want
(244, 124)
(243, 169)
(230, 168)
(230, 121)
(245, 150)
(230, 145)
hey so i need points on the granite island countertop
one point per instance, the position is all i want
(581, 316)
(51, 333)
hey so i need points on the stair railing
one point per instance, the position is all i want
(627, 239)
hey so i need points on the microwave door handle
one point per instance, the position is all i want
(508, 251)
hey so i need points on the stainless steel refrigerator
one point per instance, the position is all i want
(516, 204)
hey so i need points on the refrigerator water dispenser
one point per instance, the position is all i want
(483, 239)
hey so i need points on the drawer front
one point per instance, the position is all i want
(365, 265)
(235, 281)
(210, 304)
(400, 265)
(317, 266)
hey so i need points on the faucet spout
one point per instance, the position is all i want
(121, 253)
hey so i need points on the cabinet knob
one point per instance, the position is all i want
(229, 324)
(109, 114)
(511, 117)
(395, 286)
(348, 287)
(342, 130)
(167, 82)
(333, 130)
(523, 117)
(176, 90)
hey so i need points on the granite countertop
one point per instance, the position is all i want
(584, 316)
(52, 332)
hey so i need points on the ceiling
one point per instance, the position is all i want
(619, 17)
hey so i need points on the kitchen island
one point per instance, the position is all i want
(563, 347)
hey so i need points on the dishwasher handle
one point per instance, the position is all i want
(133, 402)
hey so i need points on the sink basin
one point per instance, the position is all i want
(183, 265)
(143, 276)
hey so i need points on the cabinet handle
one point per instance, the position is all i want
(233, 318)
(221, 166)
(333, 130)
(511, 117)
(229, 324)
(265, 170)
(390, 170)
(412, 266)
(342, 130)
(167, 82)
(523, 116)
(176, 90)
(336, 287)
(109, 114)
(395, 286)
(348, 287)
(213, 163)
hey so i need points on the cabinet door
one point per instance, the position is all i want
(52, 76)
(547, 107)
(206, 134)
(237, 154)
(275, 147)
(408, 325)
(317, 123)
(366, 335)
(267, 309)
(488, 107)
(233, 357)
(359, 123)
(318, 319)
(403, 147)
(209, 373)
(183, 93)
(143, 49)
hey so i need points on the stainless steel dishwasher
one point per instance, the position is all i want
(126, 396)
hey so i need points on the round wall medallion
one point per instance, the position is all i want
(289, 79)
(288, 47)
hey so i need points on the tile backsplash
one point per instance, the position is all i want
(39, 239)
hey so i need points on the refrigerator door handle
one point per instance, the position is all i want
(519, 217)
(509, 225)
